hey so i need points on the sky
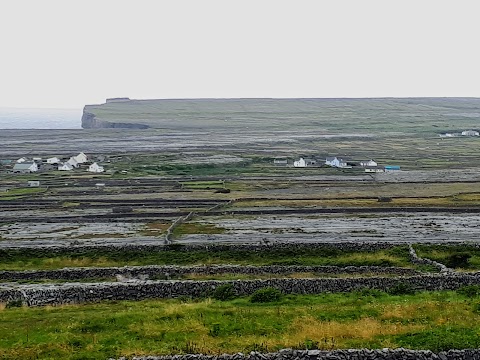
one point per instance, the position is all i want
(65, 54)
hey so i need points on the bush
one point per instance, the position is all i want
(469, 291)
(458, 260)
(14, 304)
(265, 295)
(401, 289)
(224, 292)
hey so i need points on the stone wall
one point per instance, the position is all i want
(171, 271)
(290, 246)
(357, 354)
(38, 295)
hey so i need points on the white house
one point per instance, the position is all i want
(73, 162)
(33, 183)
(96, 168)
(25, 167)
(21, 160)
(365, 163)
(300, 163)
(65, 167)
(81, 158)
(53, 160)
(470, 133)
(374, 169)
(335, 162)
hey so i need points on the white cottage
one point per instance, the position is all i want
(470, 133)
(65, 167)
(374, 169)
(96, 168)
(21, 160)
(81, 158)
(366, 163)
(73, 162)
(300, 163)
(53, 160)
(335, 162)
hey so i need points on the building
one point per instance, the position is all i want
(81, 158)
(366, 163)
(73, 162)
(96, 168)
(392, 168)
(33, 183)
(25, 167)
(374, 169)
(280, 162)
(53, 160)
(304, 162)
(21, 160)
(300, 163)
(470, 133)
(65, 167)
(336, 162)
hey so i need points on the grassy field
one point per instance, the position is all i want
(366, 319)
(460, 257)
(23, 260)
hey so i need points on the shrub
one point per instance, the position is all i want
(14, 304)
(469, 291)
(224, 292)
(265, 295)
(401, 288)
(458, 260)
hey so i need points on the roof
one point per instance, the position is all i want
(23, 166)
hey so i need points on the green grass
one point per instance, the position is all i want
(442, 254)
(24, 259)
(370, 319)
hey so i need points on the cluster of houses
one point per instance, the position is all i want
(463, 133)
(370, 166)
(25, 165)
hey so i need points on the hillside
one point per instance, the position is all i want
(381, 115)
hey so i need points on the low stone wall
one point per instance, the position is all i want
(38, 295)
(357, 354)
(167, 272)
(415, 259)
(290, 246)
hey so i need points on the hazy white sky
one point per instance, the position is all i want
(58, 53)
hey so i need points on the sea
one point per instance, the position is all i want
(13, 118)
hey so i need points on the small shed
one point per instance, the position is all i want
(33, 183)
(374, 169)
(280, 162)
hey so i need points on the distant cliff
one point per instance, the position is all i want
(325, 116)
(90, 121)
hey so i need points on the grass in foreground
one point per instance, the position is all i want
(370, 319)
(24, 259)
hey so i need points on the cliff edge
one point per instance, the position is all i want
(109, 115)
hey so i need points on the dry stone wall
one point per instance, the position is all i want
(38, 295)
(167, 272)
(348, 354)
